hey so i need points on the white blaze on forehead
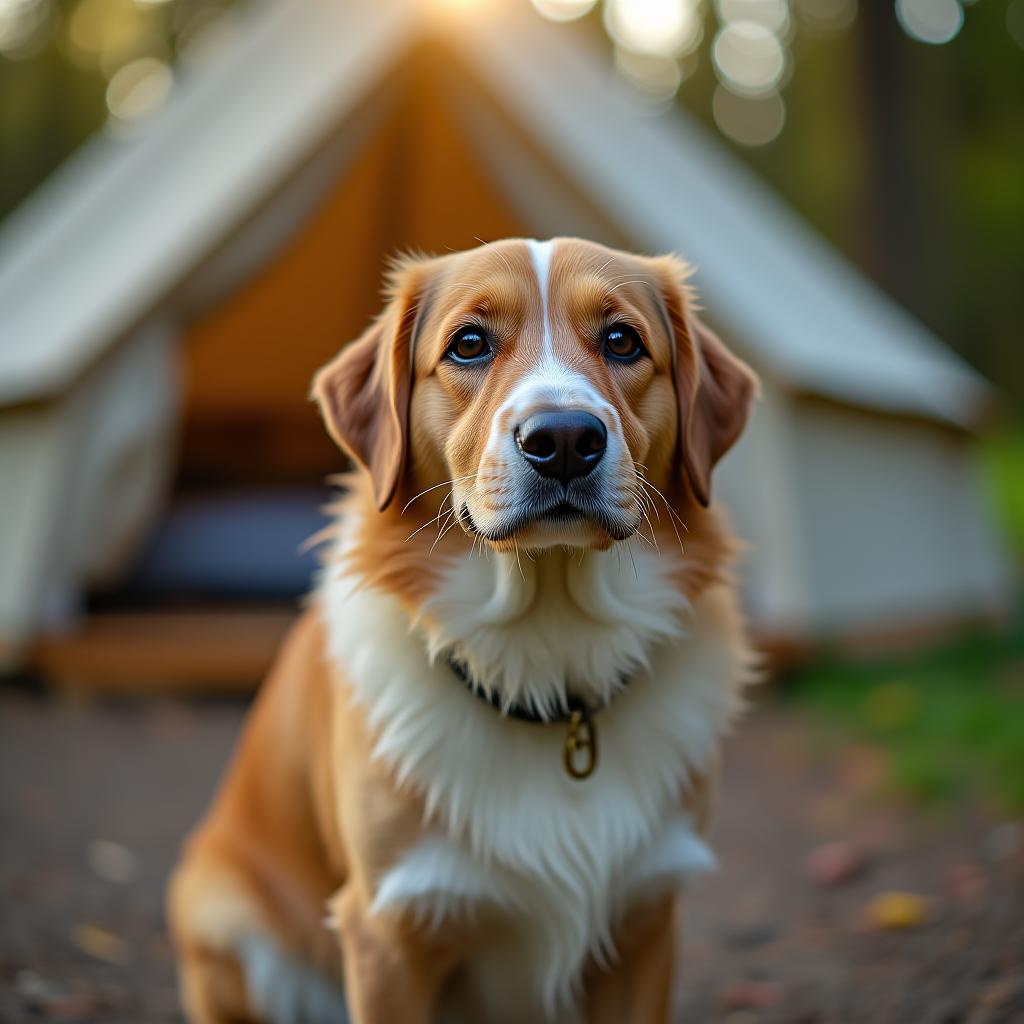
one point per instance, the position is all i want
(540, 256)
(551, 381)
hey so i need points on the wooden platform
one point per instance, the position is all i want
(212, 651)
(187, 651)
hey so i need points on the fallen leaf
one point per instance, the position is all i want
(74, 1006)
(832, 864)
(750, 995)
(894, 911)
(101, 944)
(999, 995)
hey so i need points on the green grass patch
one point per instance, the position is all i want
(951, 722)
(1003, 456)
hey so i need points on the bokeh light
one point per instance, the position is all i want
(564, 10)
(930, 21)
(137, 90)
(656, 77)
(22, 26)
(748, 120)
(657, 44)
(109, 33)
(665, 28)
(748, 57)
(772, 14)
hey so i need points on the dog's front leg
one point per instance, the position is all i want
(639, 987)
(392, 972)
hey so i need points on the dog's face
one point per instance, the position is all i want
(547, 384)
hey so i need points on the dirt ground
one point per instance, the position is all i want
(95, 798)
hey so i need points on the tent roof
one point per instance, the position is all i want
(109, 237)
(106, 239)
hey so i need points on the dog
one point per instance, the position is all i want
(476, 779)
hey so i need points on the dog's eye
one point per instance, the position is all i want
(622, 342)
(469, 345)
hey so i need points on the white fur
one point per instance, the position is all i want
(552, 384)
(674, 856)
(284, 989)
(439, 879)
(549, 850)
(540, 256)
(552, 381)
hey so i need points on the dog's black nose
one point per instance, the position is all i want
(562, 444)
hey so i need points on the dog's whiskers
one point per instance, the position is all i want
(629, 548)
(430, 522)
(668, 505)
(643, 499)
(427, 490)
(460, 517)
(645, 484)
(441, 531)
(515, 545)
(654, 538)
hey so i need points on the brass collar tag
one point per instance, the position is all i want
(579, 755)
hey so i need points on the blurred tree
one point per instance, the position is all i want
(58, 60)
(910, 158)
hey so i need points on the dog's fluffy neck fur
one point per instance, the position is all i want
(531, 630)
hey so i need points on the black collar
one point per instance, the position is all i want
(522, 712)
(579, 752)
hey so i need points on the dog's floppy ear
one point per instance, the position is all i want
(364, 392)
(714, 389)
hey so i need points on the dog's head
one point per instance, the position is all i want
(546, 383)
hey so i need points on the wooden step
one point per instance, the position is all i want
(179, 651)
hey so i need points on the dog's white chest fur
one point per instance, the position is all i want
(556, 860)
(543, 924)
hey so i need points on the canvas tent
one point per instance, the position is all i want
(188, 281)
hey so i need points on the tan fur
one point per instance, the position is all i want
(307, 820)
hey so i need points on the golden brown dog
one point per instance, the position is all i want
(473, 784)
